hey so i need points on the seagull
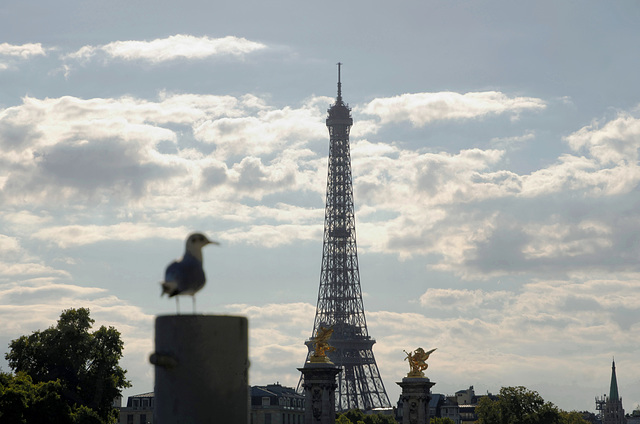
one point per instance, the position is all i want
(186, 276)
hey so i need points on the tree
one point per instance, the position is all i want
(573, 417)
(589, 417)
(343, 420)
(356, 416)
(441, 420)
(22, 401)
(85, 363)
(517, 405)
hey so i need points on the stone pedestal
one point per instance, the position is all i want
(416, 394)
(201, 369)
(319, 392)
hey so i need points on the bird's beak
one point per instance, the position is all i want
(213, 242)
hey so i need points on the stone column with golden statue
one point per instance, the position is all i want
(416, 389)
(320, 381)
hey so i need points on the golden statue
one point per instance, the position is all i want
(418, 362)
(321, 345)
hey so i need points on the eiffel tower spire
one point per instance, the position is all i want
(339, 297)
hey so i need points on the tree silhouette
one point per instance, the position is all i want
(84, 362)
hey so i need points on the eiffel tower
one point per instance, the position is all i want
(339, 297)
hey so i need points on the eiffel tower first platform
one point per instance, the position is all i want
(339, 297)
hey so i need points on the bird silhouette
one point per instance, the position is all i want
(186, 276)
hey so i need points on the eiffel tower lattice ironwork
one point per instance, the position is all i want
(339, 297)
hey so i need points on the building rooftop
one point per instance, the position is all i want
(143, 395)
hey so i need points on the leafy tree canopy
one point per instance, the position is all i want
(575, 417)
(356, 416)
(518, 405)
(439, 420)
(22, 401)
(588, 416)
(84, 363)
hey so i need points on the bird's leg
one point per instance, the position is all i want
(193, 298)
(178, 305)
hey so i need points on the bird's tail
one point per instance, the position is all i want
(168, 287)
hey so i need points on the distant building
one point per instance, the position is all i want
(270, 404)
(634, 418)
(117, 402)
(276, 404)
(611, 411)
(435, 404)
(467, 402)
(449, 409)
(139, 409)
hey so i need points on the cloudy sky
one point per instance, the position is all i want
(495, 165)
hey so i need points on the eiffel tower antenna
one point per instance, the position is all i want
(339, 98)
(340, 297)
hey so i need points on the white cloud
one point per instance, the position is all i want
(25, 219)
(71, 148)
(499, 338)
(265, 131)
(17, 261)
(512, 142)
(464, 300)
(592, 175)
(483, 220)
(276, 338)
(186, 156)
(11, 54)
(28, 269)
(79, 235)
(23, 51)
(9, 245)
(274, 235)
(422, 108)
(387, 175)
(615, 142)
(484, 338)
(172, 48)
(559, 239)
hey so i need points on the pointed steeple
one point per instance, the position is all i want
(613, 390)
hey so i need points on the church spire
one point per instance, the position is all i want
(611, 410)
(613, 389)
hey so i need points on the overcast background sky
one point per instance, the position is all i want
(494, 156)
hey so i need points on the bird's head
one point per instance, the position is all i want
(195, 243)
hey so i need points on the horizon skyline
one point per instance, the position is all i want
(495, 173)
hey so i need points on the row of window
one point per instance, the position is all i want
(142, 419)
(145, 404)
(286, 418)
(285, 402)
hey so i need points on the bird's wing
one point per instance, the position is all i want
(173, 271)
(194, 277)
(173, 276)
(185, 276)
